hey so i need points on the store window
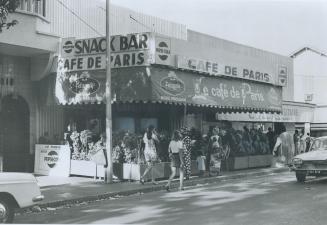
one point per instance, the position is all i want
(33, 6)
(146, 122)
(124, 123)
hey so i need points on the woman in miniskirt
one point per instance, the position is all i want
(176, 152)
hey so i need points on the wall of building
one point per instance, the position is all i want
(22, 86)
(206, 47)
(310, 78)
(85, 18)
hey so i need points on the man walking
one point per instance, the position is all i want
(284, 147)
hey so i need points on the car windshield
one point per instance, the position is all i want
(319, 144)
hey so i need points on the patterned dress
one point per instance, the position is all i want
(187, 156)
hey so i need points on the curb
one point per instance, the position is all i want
(160, 187)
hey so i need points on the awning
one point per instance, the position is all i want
(163, 85)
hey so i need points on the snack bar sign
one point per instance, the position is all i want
(90, 54)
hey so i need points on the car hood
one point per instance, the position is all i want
(314, 155)
(13, 177)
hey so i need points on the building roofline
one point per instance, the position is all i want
(300, 51)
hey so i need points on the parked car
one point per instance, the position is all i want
(17, 190)
(313, 162)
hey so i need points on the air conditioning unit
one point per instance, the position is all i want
(308, 97)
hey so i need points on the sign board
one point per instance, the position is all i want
(182, 87)
(255, 117)
(222, 69)
(90, 54)
(52, 160)
(282, 75)
(163, 51)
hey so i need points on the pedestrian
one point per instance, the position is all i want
(296, 139)
(307, 142)
(176, 154)
(271, 136)
(150, 152)
(303, 137)
(284, 147)
(186, 139)
(215, 146)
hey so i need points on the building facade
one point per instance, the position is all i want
(177, 77)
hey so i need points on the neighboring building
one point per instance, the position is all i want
(310, 80)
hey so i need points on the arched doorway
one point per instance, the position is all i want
(14, 133)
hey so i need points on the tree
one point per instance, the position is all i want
(6, 7)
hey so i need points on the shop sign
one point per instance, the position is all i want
(90, 54)
(84, 84)
(282, 75)
(52, 160)
(221, 69)
(172, 84)
(255, 117)
(213, 91)
(163, 51)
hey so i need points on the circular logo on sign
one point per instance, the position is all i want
(163, 50)
(172, 84)
(51, 159)
(84, 85)
(68, 47)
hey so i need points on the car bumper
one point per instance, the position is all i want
(38, 198)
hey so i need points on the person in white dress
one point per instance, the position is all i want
(150, 152)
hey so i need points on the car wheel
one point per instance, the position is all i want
(7, 211)
(300, 176)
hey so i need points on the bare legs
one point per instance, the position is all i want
(172, 175)
(148, 169)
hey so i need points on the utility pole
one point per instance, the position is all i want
(108, 171)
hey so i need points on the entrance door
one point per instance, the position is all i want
(14, 134)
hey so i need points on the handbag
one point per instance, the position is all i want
(99, 157)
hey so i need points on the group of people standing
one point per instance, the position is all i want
(179, 153)
(302, 142)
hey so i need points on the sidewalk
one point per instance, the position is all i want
(62, 191)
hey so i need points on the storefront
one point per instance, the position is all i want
(156, 81)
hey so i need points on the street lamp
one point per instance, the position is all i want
(108, 171)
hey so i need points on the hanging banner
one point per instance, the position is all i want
(82, 87)
(182, 87)
(164, 85)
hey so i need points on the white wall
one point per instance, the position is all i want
(310, 77)
(65, 24)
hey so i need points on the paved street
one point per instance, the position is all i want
(273, 199)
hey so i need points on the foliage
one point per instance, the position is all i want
(7, 7)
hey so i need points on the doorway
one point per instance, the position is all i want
(14, 133)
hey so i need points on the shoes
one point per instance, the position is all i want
(142, 181)
(167, 188)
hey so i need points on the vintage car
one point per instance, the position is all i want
(313, 162)
(17, 190)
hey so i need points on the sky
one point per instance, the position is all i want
(279, 26)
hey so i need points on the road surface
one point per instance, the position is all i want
(270, 200)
